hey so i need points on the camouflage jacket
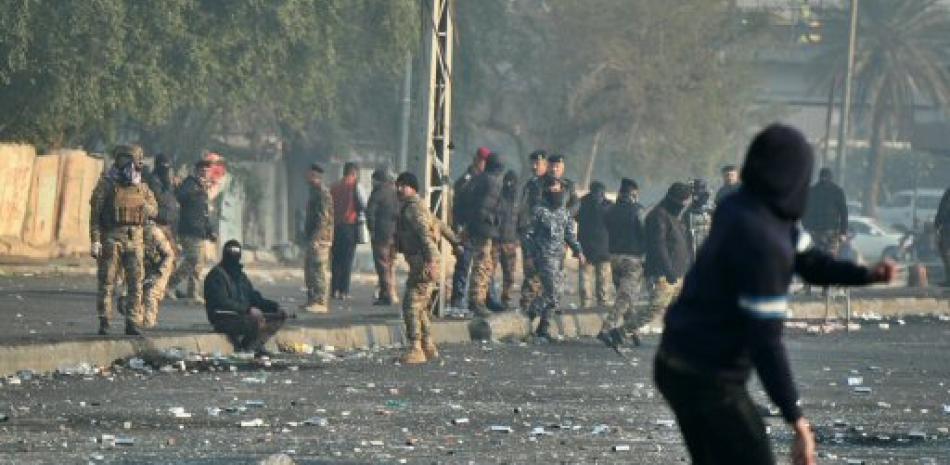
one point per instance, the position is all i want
(550, 230)
(418, 231)
(102, 208)
(319, 225)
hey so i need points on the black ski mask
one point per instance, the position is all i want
(554, 199)
(231, 255)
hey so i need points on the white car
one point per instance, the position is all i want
(899, 210)
(871, 240)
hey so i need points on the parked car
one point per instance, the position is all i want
(899, 210)
(872, 240)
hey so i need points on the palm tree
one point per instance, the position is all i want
(902, 57)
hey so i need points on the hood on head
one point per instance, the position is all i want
(777, 169)
(676, 197)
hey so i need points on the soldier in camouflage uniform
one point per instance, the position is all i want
(530, 198)
(160, 247)
(417, 237)
(627, 245)
(319, 236)
(159, 262)
(551, 228)
(120, 206)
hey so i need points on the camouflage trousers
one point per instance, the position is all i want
(551, 275)
(190, 266)
(384, 257)
(828, 241)
(315, 271)
(599, 273)
(122, 254)
(416, 308)
(662, 295)
(531, 283)
(628, 278)
(159, 266)
(482, 266)
(506, 255)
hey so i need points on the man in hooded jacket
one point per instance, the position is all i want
(595, 240)
(235, 308)
(505, 249)
(668, 252)
(482, 228)
(730, 315)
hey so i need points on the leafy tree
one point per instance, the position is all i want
(900, 60)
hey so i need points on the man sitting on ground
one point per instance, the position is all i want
(235, 308)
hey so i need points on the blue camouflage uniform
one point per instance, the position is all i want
(551, 228)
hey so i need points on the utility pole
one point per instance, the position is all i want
(406, 115)
(844, 132)
(438, 127)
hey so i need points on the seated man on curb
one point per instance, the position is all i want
(235, 308)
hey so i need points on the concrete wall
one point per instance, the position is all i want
(16, 173)
(44, 201)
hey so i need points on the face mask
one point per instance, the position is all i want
(130, 175)
(232, 255)
(554, 199)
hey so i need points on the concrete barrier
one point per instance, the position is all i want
(78, 176)
(39, 227)
(16, 174)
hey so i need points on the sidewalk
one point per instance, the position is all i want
(49, 311)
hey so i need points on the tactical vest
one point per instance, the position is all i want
(129, 205)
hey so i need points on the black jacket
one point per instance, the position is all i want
(485, 202)
(508, 212)
(667, 242)
(730, 314)
(592, 227)
(573, 203)
(195, 218)
(168, 208)
(827, 209)
(625, 227)
(942, 219)
(461, 200)
(382, 208)
(229, 292)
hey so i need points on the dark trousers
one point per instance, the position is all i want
(342, 251)
(246, 332)
(719, 422)
(384, 254)
(463, 265)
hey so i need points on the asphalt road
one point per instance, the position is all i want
(567, 402)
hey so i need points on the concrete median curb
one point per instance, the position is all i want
(51, 356)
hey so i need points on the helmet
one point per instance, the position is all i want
(130, 152)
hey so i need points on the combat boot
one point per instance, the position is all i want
(430, 349)
(315, 307)
(132, 329)
(415, 355)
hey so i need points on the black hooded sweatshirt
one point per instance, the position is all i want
(228, 291)
(592, 226)
(730, 314)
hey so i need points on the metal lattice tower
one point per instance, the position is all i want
(438, 127)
